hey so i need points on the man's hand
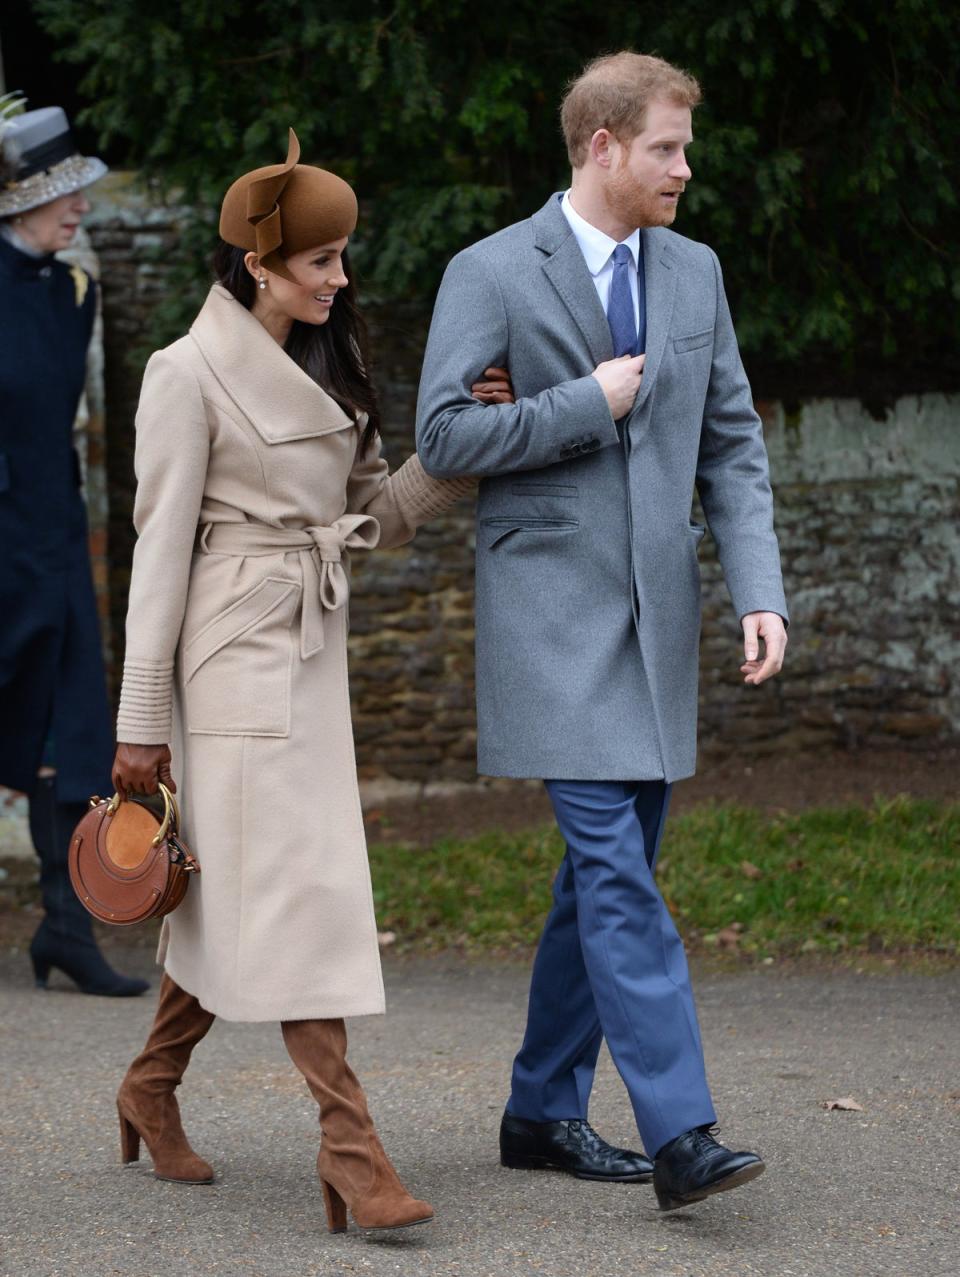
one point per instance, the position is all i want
(140, 769)
(620, 380)
(495, 387)
(769, 627)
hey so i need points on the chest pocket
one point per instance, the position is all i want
(693, 342)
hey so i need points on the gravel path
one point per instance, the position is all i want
(847, 1193)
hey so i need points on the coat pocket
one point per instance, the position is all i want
(497, 528)
(682, 344)
(543, 489)
(236, 670)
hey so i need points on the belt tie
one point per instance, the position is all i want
(320, 551)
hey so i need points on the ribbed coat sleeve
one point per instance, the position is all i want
(403, 500)
(172, 450)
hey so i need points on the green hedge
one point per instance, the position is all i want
(825, 164)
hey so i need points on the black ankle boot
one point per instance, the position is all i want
(65, 938)
(82, 961)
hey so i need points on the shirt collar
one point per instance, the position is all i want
(596, 246)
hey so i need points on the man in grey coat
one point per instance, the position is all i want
(630, 394)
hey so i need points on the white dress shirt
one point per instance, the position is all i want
(597, 249)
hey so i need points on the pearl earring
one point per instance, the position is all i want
(261, 282)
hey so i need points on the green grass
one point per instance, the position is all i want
(879, 879)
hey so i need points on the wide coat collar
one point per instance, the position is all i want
(567, 271)
(272, 392)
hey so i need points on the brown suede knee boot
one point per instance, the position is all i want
(354, 1169)
(146, 1101)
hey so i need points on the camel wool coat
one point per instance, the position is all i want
(251, 492)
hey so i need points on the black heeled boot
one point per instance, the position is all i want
(65, 938)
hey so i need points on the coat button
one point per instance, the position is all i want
(45, 273)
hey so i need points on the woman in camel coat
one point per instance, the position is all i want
(259, 472)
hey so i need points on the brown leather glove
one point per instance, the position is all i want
(496, 387)
(140, 769)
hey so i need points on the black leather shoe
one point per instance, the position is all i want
(572, 1146)
(694, 1165)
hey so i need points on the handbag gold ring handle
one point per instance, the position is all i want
(170, 809)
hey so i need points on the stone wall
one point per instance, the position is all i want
(135, 240)
(868, 515)
(867, 512)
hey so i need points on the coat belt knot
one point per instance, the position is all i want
(320, 551)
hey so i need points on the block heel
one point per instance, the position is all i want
(336, 1208)
(129, 1141)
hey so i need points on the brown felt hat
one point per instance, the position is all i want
(286, 208)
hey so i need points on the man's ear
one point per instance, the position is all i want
(601, 145)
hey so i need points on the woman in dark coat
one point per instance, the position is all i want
(55, 729)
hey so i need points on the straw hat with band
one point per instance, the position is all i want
(39, 159)
(287, 208)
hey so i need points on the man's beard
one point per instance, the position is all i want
(635, 205)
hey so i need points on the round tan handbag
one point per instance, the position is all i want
(127, 862)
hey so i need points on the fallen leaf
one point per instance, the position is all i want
(750, 870)
(847, 1104)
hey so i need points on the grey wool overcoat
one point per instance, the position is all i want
(251, 493)
(588, 584)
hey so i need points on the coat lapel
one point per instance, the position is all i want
(660, 267)
(567, 272)
(273, 393)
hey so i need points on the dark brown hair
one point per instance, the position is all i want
(334, 354)
(613, 92)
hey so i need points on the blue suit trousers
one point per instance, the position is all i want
(611, 965)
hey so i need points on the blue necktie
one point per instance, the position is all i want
(620, 315)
